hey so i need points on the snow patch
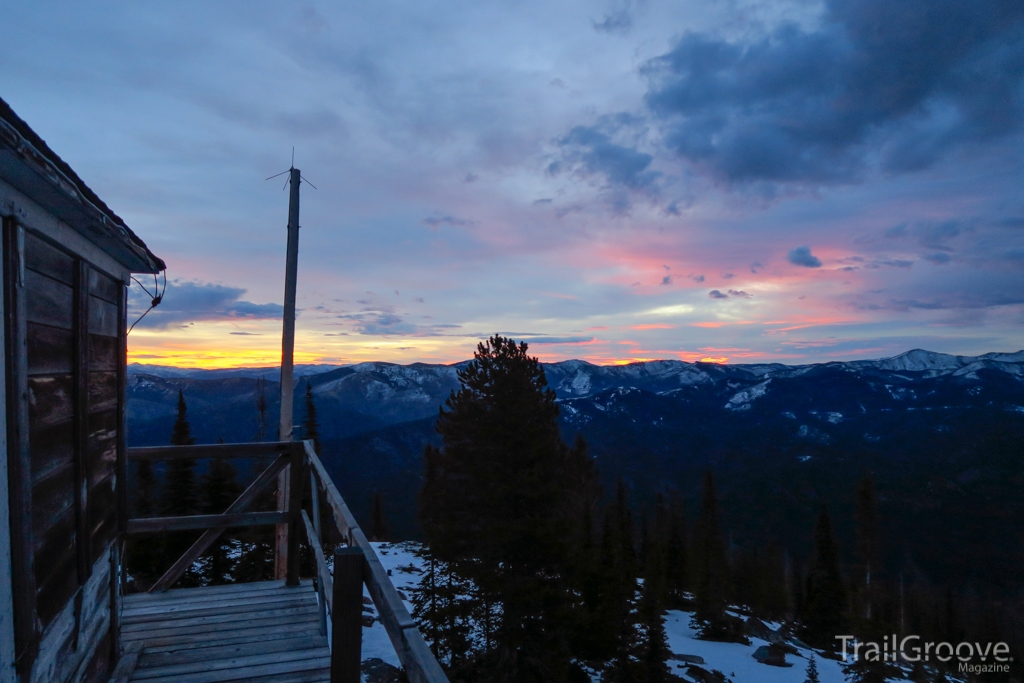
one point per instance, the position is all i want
(742, 399)
(581, 383)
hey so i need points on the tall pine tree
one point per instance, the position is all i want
(654, 651)
(493, 508)
(867, 542)
(676, 557)
(180, 493)
(261, 410)
(710, 567)
(615, 619)
(812, 670)
(825, 602)
(144, 551)
(378, 520)
(310, 428)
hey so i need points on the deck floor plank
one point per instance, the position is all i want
(211, 619)
(191, 610)
(267, 597)
(245, 632)
(227, 589)
(306, 627)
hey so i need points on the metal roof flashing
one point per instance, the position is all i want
(29, 165)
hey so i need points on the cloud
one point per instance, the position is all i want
(382, 322)
(378, 317)
(741, 294)
(904, 83)
(1014, 256)
(187, 302)
(558, 340)
(591, 151)
(667, 280)
(802, 256)
(435, 222)
(932, 235)
(715, 294)
(619, 21)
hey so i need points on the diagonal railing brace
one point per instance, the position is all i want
(211, 535)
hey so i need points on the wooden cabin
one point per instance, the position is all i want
(67, 262)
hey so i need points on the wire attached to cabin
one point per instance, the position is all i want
(156, 296)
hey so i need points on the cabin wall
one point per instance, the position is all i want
(69, 644)
(7, 672)
(65, 316)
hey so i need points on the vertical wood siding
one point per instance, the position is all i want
(71, 317)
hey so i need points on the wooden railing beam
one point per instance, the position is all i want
(217, 450)
(325, 583)
(412, 650)
(150, 525)
(355, 565)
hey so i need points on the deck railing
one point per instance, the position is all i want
(355, 564)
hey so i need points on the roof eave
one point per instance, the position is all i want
(28, 164)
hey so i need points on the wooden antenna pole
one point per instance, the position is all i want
(287, 372)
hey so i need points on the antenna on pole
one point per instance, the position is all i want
(287, 358)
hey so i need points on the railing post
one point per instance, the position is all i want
(298, 457)
(347, 615)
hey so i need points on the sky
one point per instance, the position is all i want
(735, 180)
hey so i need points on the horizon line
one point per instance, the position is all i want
(613, 363)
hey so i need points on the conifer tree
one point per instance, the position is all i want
(493, 507)
(654, 649)
(825, 602)
(180, 494)
(445, 605)
(616, 618)
(310, 428)
(145, 489)
(711, 569)
(583, 491)
(676, 559)
(378, 522)
(261, 410)
(867, 539)
(144, 550)
(812, 670)
(626, 534)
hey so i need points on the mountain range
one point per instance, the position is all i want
(942, 436)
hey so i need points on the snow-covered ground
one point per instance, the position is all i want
(404, 567)
(734, 660)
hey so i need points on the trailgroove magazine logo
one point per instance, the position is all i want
(973, 658)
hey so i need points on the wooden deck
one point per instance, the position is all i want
(240, 632)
